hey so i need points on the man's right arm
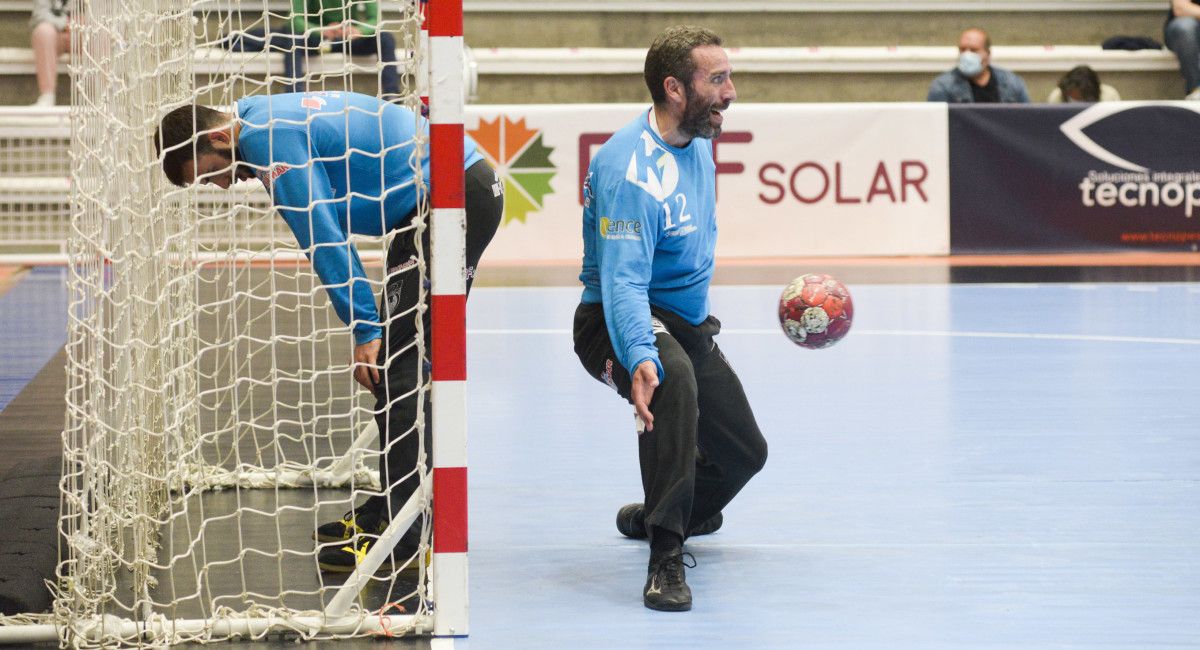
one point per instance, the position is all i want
(301, 193)
(627, 222)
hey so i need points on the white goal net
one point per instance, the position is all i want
(213, 417)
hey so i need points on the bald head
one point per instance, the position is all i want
(975, 40)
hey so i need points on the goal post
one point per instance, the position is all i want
(449, 368)
(213, 421)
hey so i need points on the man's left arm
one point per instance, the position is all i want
(303, 195)
(1022, 91)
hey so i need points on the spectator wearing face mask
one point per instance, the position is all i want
(974, 79)
(1082, 84)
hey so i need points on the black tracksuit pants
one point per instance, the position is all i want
(705, 444)
(405, 372)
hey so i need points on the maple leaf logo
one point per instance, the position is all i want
(522, 161)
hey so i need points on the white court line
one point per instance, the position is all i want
(1152, 288)
(520, 331)
(442, 643)
(1022, 335)
(927, 333)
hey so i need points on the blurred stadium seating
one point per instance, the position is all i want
(789, 50)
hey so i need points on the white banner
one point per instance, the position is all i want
(792, 179)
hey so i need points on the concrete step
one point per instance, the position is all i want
(755, 23)
(598, 75)
(790, 24)
(818, 74)
(896, 86)
(523, 28)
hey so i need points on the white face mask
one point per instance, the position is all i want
(970, 64)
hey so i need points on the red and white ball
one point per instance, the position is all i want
(815, 311)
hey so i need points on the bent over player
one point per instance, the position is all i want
(336, 164)
(649, 230)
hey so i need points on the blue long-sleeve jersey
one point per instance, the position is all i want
(649, 232)
(336, 164)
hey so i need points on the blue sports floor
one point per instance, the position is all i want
(974, 466)
(33, 323)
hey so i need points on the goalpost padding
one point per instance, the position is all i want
(202, 370)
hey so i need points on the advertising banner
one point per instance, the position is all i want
(792, 179)
(1074, 178)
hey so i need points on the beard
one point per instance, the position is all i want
(241, 171)
(697, 121)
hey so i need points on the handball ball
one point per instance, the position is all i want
(815, 311)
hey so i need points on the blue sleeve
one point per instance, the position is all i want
(627, 218)
(303, 196)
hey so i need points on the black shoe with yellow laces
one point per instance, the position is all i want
(360, 521)
(343, 558)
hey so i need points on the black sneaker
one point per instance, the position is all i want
(359, 521)
(343, 558)
(708, 526)
(666, 587)
(631, 522)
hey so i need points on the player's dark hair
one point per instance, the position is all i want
(1083, 79)
(670, 55)
(176, 133)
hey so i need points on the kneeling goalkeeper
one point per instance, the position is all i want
(336, 164)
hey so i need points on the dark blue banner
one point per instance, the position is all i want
(1071, 177)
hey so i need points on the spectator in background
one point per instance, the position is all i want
(50, 39)
(1182, 34)
(318, 26)
(1082, 84)
(975, 80)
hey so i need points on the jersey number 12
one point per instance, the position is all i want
(681, 200)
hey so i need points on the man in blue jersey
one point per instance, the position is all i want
(336, 164)
(643, 325)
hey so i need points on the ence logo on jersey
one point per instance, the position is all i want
(620, 229)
